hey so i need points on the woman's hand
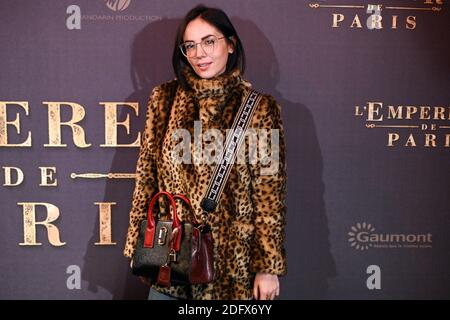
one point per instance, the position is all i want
(266, 286)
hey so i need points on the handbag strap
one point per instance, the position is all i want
(151, 225)
(184, 199)
(232, 145)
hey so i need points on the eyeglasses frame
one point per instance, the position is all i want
(200, 43)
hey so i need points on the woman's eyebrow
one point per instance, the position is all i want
(207, 36)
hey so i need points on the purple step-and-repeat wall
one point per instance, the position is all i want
(365, 96)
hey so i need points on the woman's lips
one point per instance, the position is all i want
(204, 66)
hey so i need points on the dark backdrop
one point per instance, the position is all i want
(354, 201)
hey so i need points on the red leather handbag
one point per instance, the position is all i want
(171, 252)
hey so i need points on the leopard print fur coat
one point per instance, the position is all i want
(248, 223)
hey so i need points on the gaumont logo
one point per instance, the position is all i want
(363, 236)
(117, 5)
(379, 15)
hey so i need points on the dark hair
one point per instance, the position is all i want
(218, 19)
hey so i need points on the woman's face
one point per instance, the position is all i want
(207, 64)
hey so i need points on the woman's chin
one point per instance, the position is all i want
(204, 74)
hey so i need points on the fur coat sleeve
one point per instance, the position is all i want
(268, 190)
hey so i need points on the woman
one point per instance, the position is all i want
(248, 223)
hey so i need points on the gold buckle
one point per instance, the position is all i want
(162, 236)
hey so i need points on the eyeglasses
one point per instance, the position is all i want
(189, 48)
